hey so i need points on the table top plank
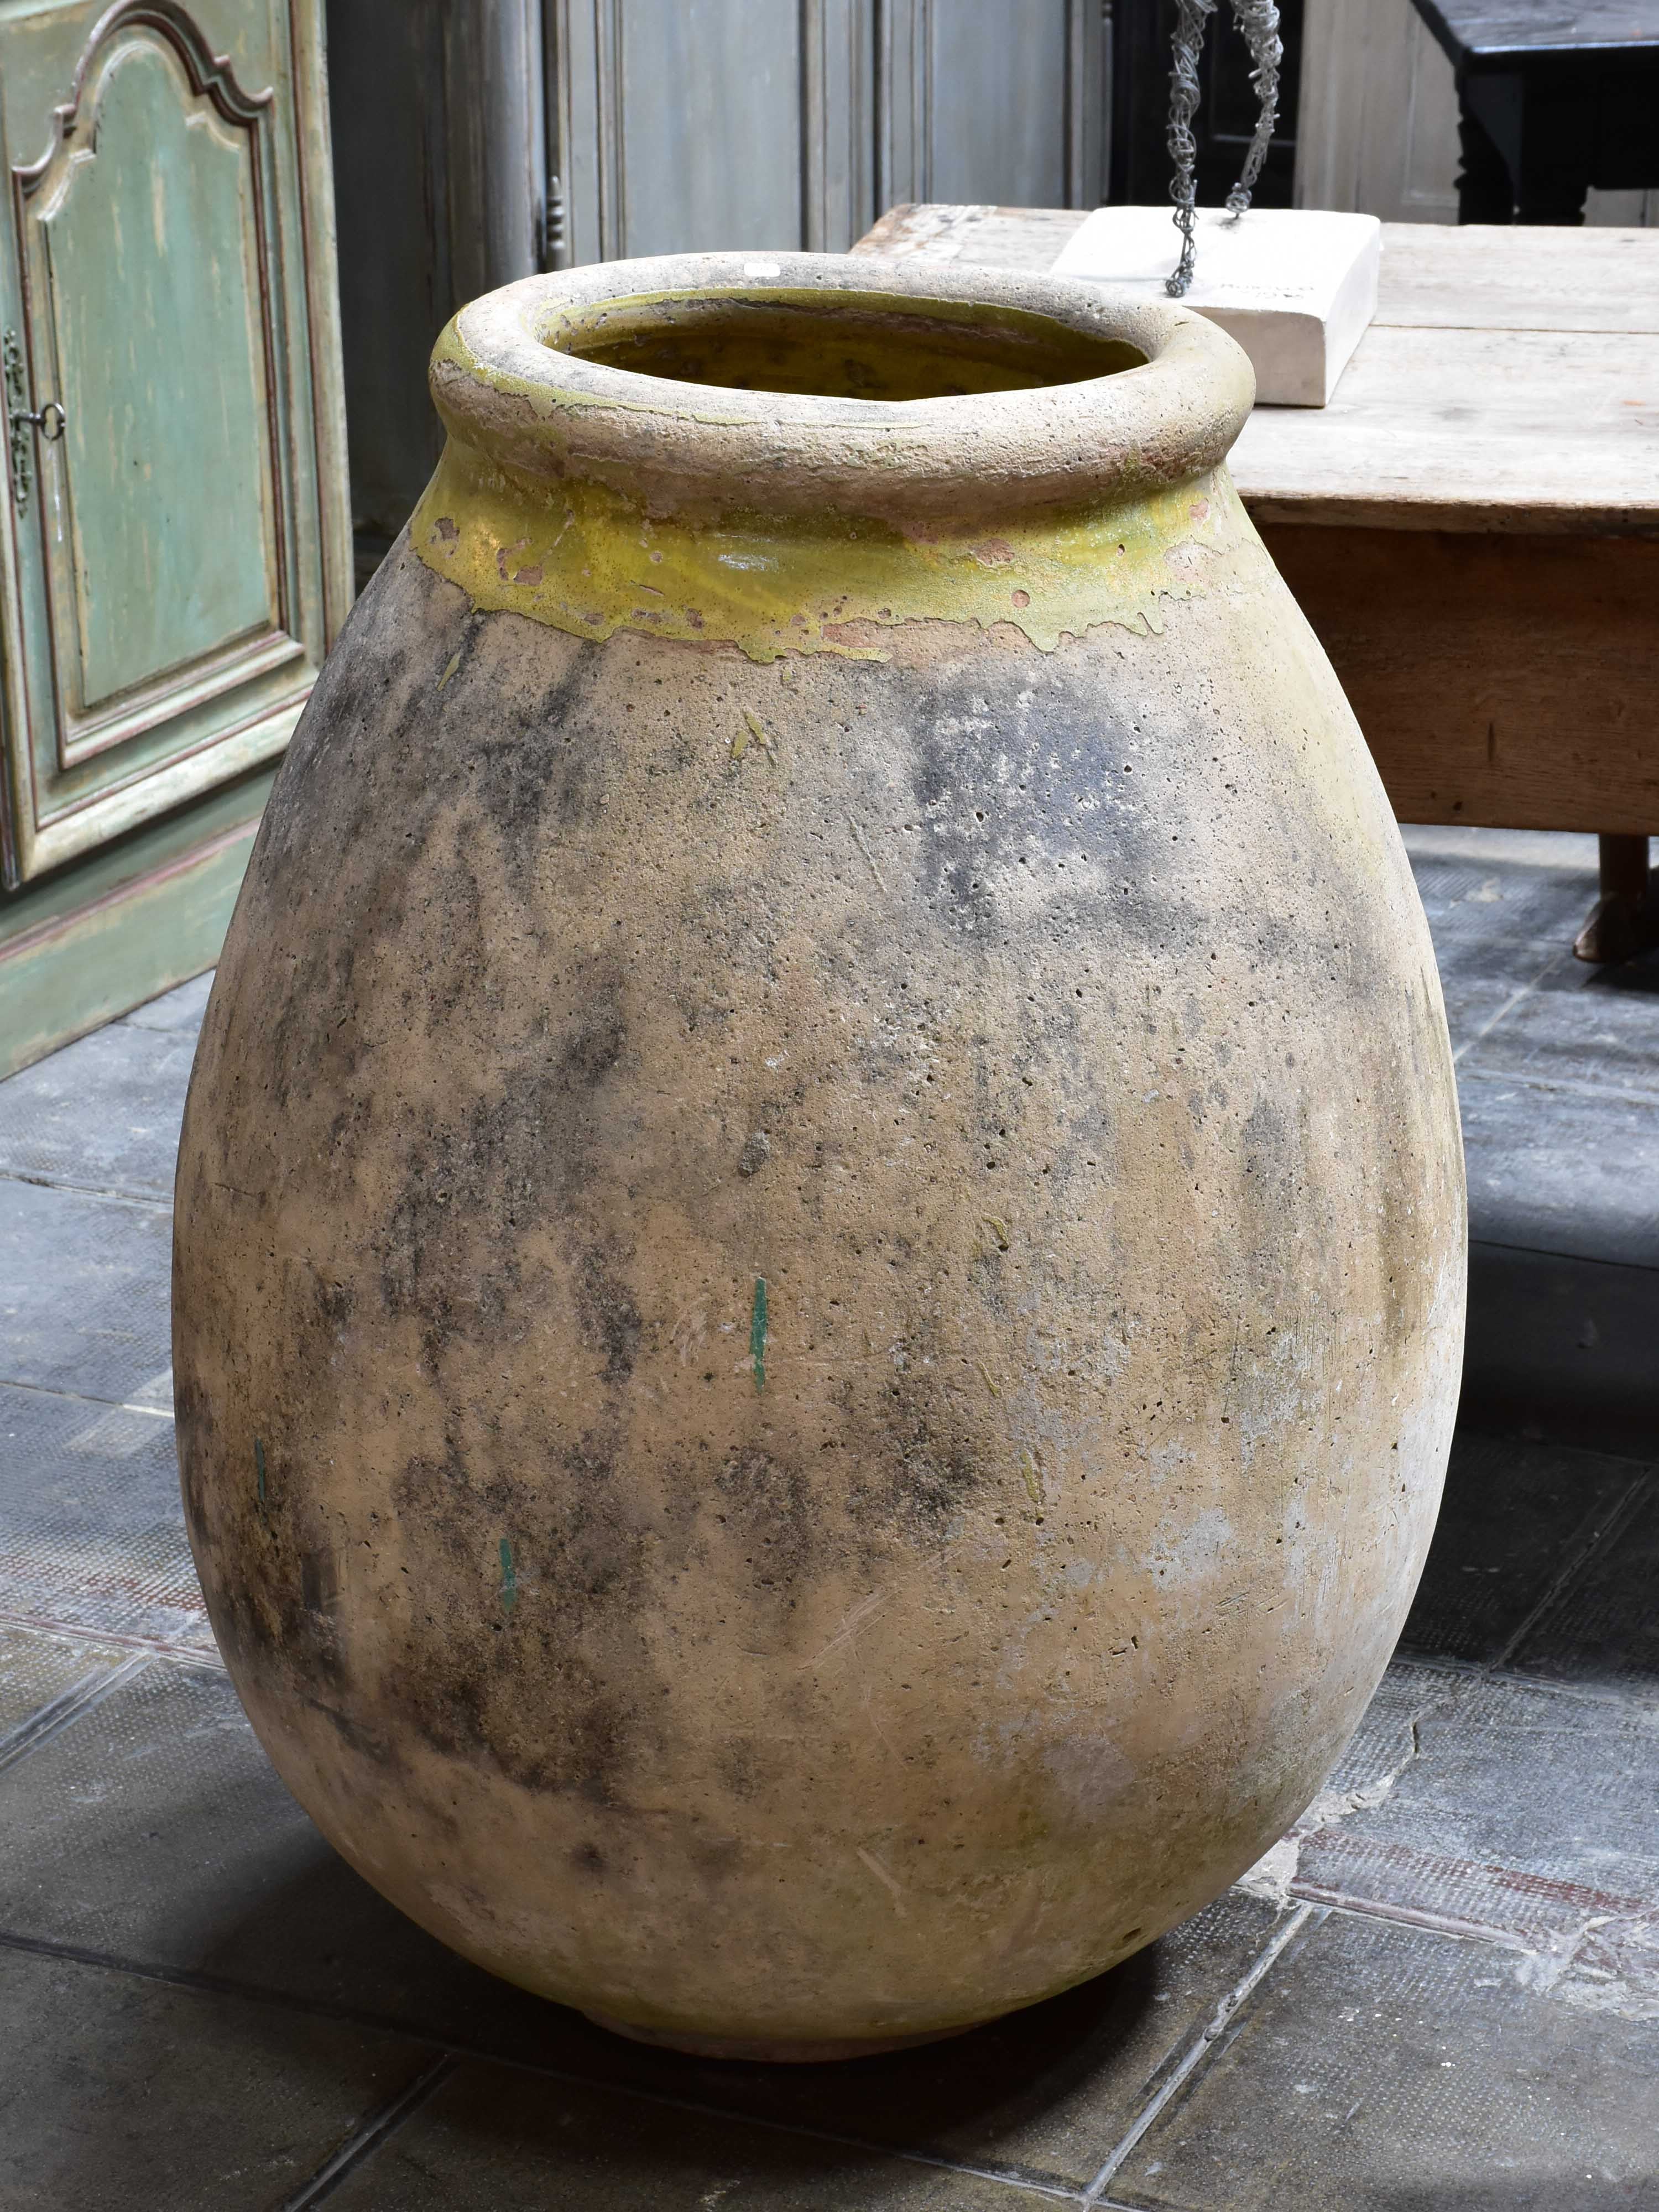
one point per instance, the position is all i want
(1448, 429)
(1509, 382)
(1483, 277)
(1535, 277)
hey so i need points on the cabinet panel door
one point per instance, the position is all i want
(676, 62)
(175, 525)
(683, 126)
(1002, 101)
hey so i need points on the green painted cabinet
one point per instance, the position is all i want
(174, 538)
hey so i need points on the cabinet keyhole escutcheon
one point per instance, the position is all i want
(50, 421)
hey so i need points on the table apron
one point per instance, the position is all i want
(1508, 681)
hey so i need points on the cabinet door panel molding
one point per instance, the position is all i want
(174, 562)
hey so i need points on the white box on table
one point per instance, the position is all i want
(1297, 287)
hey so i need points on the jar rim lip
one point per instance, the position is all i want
(504, 388)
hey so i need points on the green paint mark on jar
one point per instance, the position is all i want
(758, 1332)
(509, 1578)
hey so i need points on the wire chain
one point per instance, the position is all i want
(1258, 21)
(1192, 17)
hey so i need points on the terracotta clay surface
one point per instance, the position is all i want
(820, 1234)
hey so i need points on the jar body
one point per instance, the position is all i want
(819, 1300)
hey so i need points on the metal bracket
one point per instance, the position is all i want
(21, 419)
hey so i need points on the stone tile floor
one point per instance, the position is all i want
(1441, 1990)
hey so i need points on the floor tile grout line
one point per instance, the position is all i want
(360, 2148)
(80, 1398)
(1508, 1007)
(86, 1190)
(1579, 1259)
(1056, 2191)
(1562, 1580)
(52, 1717)
(1449, 1925)
(1200, 2048)
(1570, 1086)
(223, 1985)
(210, 1984)
(1555, 1686)
(1419, 1662)
(154, 1647)
(1457, 1930)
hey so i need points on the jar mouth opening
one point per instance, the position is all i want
(808, 384)
(838, 345)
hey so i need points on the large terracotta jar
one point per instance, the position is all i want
(820, 1233)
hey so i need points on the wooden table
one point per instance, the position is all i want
(1554, 101)
(1471, 525)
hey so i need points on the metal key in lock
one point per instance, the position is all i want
(22, 420)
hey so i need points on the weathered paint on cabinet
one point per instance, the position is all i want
(97, 939)
(174, 534)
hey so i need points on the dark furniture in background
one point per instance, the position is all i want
(1555, 103)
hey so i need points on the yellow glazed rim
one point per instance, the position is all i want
(586, 495)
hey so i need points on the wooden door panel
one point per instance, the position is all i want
(997, 101)
(676, 61)
(679, 126)
(166, 590)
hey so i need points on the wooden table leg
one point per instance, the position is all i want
(1624, 919)
(1530, 142)
(1485, 192)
